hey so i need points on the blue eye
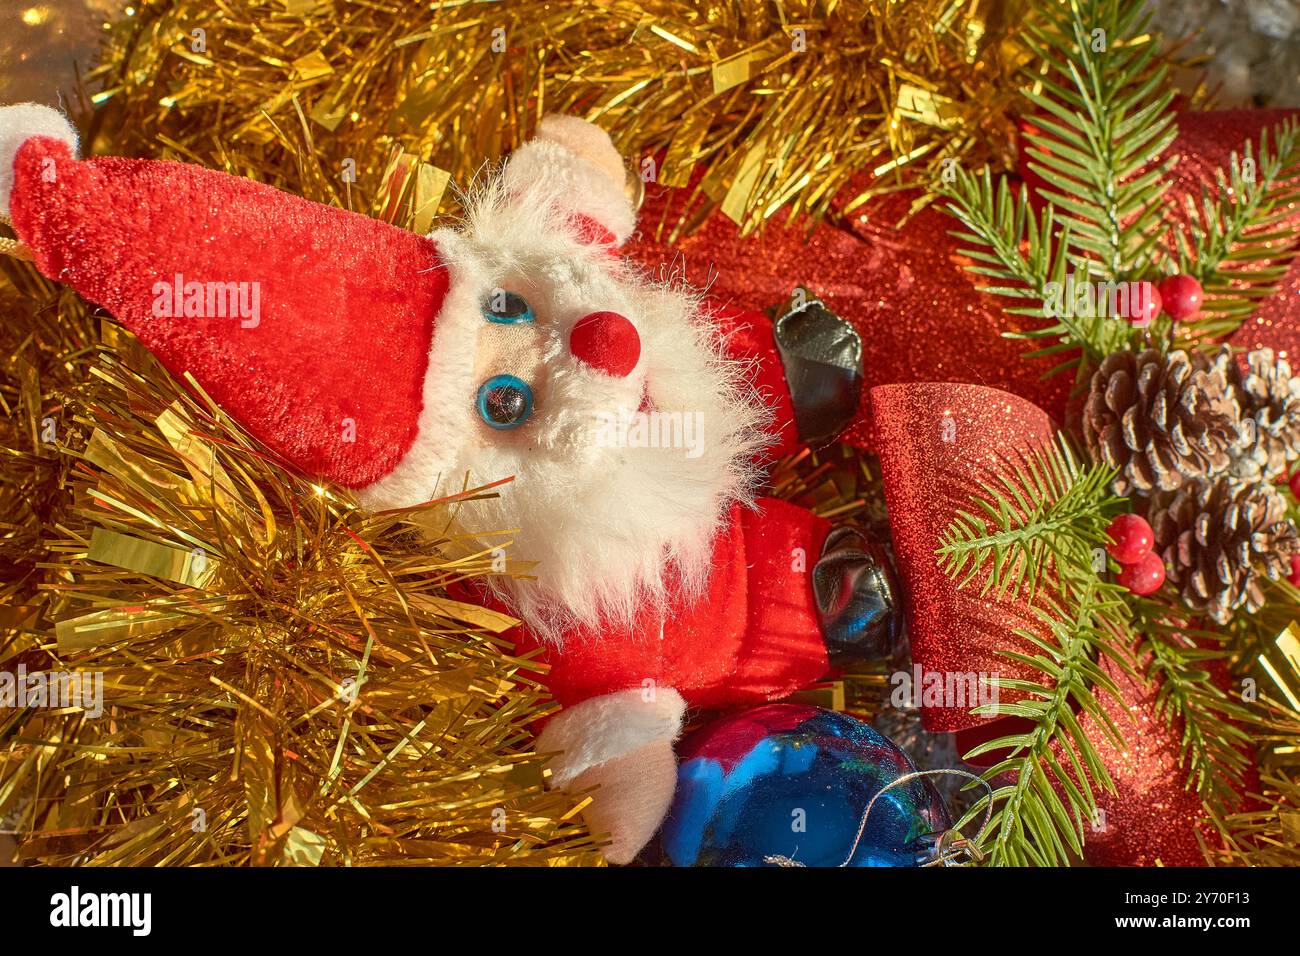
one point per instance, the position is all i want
(508, 308)
(505, 401)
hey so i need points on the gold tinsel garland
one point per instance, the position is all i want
(778, 103)
(283, 677)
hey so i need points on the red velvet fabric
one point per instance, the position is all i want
(330, 372)
(753, 637)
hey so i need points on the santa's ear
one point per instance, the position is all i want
(575, 165)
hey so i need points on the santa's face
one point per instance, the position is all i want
(606, 399)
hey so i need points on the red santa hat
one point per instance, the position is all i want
(328, 335)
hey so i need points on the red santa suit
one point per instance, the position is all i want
(754, 636)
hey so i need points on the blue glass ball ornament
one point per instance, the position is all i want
(791, 781)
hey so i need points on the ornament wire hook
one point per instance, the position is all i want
(951, 846)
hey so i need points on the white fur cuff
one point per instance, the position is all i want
(606, 727)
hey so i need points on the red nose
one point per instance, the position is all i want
(606, 341)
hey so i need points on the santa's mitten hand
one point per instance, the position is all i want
(621, 744)
(822, 357)
(853, 585)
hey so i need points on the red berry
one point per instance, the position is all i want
(1131, 539)
(1144, 304)
(1181, 296)
(1294, 482)
(1144, 577)
(1294, 576)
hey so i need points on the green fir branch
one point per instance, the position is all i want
(1211, 750)
(1236, 240)
(1042, 520)
(1041, 816)
(1186, 663)
(1102, 128)
(1034, 532)
(1012, 252)
(1103, 121)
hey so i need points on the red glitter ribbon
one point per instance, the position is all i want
(1152, 817)
(908, 293)
(938, 442)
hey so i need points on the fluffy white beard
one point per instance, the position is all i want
(602, 535)
(614, 531)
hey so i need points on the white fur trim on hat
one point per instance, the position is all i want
(609, 726)
(574, 163)
(446, 416)
(18, 124)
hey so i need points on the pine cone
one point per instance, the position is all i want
(1270, 403)
(1162, 420)
(1219, 539)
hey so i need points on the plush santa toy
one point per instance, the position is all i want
(633, 416)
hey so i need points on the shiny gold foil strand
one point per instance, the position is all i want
(16, 249)
(780, 105)
(239, 689)
(101, 628)
(1282, 664)
(191, 568)
(411, 192)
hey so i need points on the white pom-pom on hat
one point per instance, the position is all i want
(583, 139)
(575, 164)
(18, 124)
